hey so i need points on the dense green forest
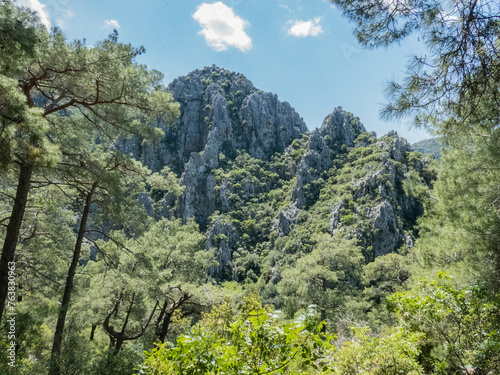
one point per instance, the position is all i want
(200, 228)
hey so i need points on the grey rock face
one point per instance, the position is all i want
(286, 219)
(220, 112)
(268, 125)
(335, 216)
(379, 182)
(385, 232)
(147, 202)
(222, 240)
(339, 130)
(397, 147)
(387, 202)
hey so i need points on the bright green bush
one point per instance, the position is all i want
(462, 326)
(395, 353)
(257, 342)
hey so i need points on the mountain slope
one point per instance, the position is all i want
(257, 182)
(221, 113)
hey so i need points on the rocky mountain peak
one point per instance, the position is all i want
(221, 113)
(336, 135)
(193, 85)
(341, 128)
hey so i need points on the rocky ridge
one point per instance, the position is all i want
(220, 112)
(339, 165)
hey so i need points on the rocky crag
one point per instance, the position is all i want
(221, 113)
(254, 176)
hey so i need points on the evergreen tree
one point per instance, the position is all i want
(101, 84)
(326, 277)
(460, 66)
(147, 280)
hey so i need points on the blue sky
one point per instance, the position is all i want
(302, 50)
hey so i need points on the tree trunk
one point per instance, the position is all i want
(165, 325)
(121, 336)
(13, 228)
(160, 317)
(167, 315)
(118, 344)
(94, 326)
(112, 341)
(68, 288)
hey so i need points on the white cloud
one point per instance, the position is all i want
(305, 28)
(112, 23)
(221, 27)
(284, 7)
(37, 7)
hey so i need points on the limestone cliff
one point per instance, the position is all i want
(256, 180)
(221, 113)
(336, 134)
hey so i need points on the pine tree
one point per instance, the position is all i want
(101, 84)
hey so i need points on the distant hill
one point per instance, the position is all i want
(430, 146)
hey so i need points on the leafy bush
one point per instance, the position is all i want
(256, 342)
(395, 353)
(462, 325)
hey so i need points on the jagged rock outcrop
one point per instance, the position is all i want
(222, 240)
(385, 232)
(317, 159)
(221, 112)
(341, 128)
(335, 215)
(397, 147)
(286, 219)
(336, 134)
(380, 228)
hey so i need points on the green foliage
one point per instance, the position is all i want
(19, 35)
(326, 277)
(460, 231)
(469, 61)
(100, 87)
(386, 275)
(395, 353)
(142, 280)
(256, 342)
(461, 325)
(430, 146)
(165, 181)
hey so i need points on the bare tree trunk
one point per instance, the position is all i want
(165, 325)
(118, 344)
(68, 288)
(92, 332)
(168, 313)
(121, 336)
(118, 338)
(13, 228)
